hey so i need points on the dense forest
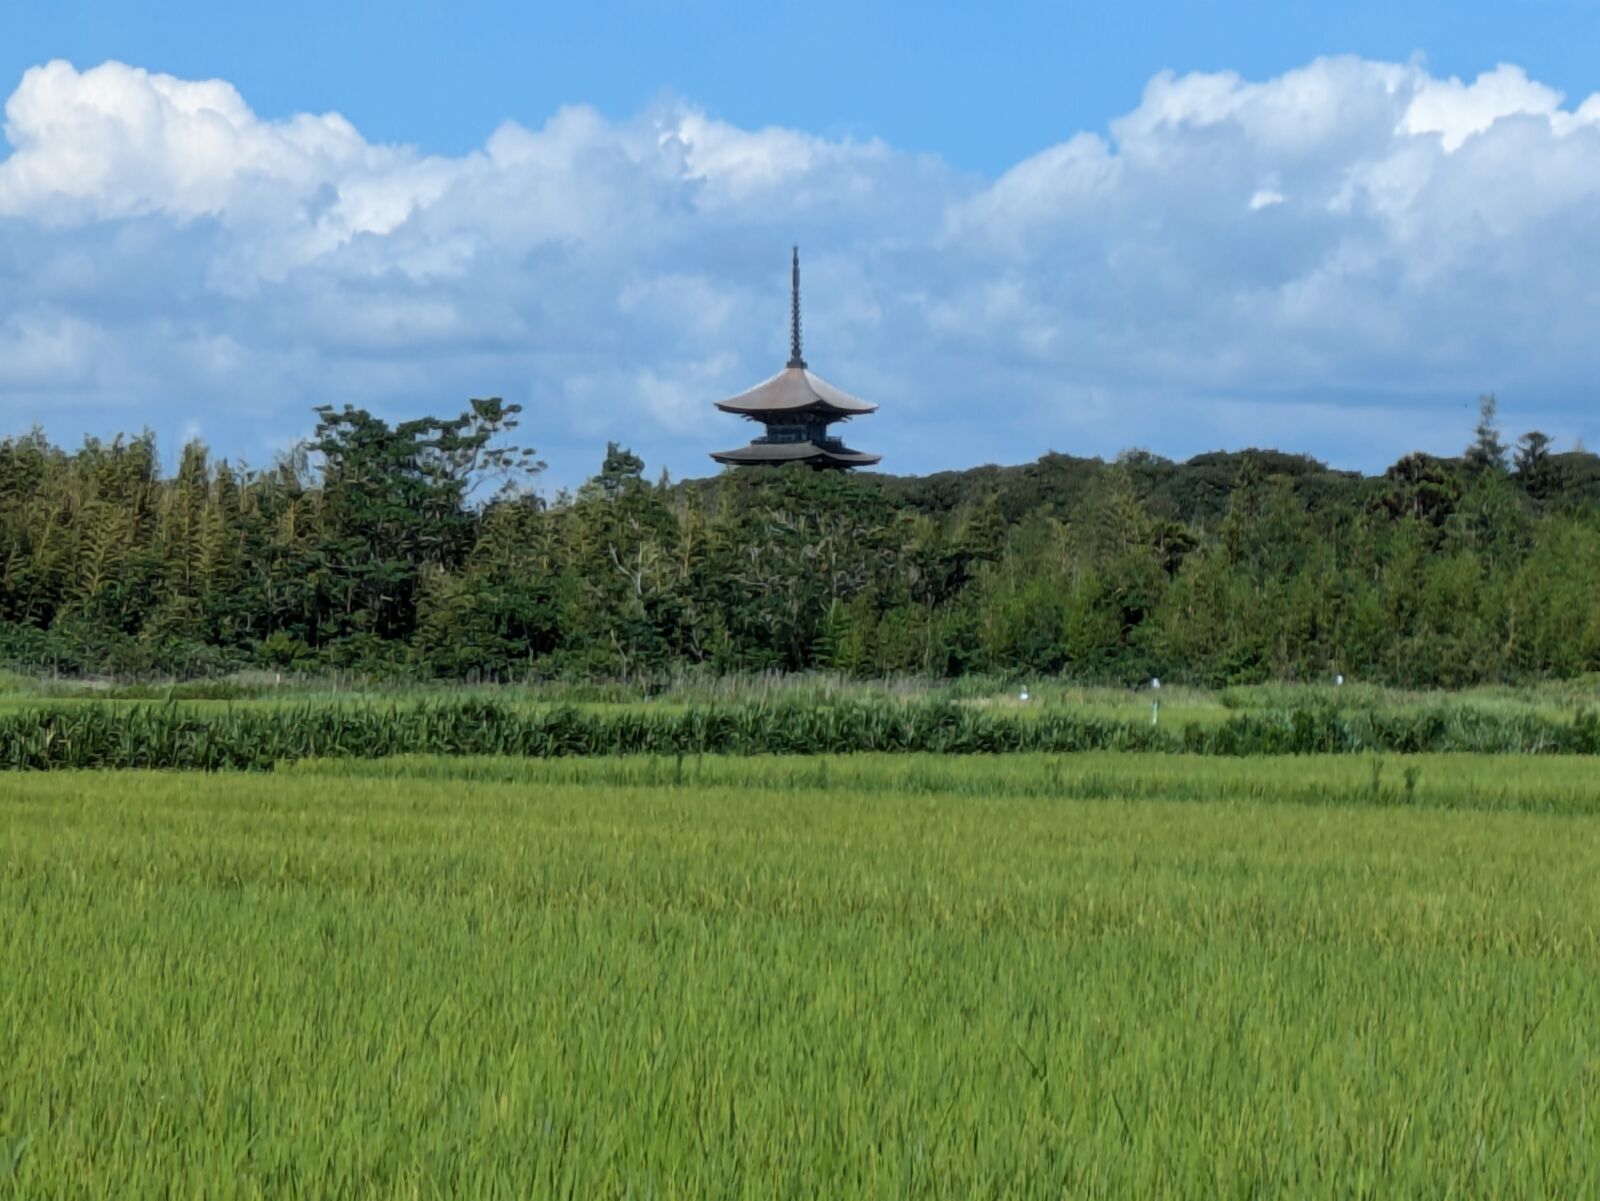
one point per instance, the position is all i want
(422, 549)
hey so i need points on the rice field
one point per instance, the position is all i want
(897, 976)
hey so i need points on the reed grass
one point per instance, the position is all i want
(258, 737)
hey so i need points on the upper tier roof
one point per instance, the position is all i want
(794, 390)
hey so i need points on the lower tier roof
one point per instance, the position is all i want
(774, 453)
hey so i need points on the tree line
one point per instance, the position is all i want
(421, 549)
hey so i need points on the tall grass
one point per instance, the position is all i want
(703, 688)
(325, 985)
(257, 737)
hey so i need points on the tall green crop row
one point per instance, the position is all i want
(259, 737)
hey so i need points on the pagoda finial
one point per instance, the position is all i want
(794, 316)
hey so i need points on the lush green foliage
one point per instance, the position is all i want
(259, 736)
(327, 985)
(384, 551)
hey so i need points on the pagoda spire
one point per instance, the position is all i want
(794, 315)
(796, 408)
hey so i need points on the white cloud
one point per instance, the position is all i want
(1350, 245)
(46, 350)
(1457, 111)
(117, 141)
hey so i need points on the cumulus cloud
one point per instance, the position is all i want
(118, 141)
(1338, 259)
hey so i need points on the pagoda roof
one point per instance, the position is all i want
(776, 453)
(794, 391)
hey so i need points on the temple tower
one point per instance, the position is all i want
(796, 408)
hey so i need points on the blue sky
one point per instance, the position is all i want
(982, 85)
(1026, 226)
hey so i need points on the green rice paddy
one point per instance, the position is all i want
(1113, 975)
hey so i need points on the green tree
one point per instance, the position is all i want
(1487, 452)
(1534, 470)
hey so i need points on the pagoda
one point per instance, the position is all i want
(797, 408)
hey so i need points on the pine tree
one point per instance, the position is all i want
(1487, 452)
(1534, 470)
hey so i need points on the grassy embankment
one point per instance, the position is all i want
(896, 976)
(1179, 704)
(262, 736)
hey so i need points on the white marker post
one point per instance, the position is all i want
(1155, 705)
